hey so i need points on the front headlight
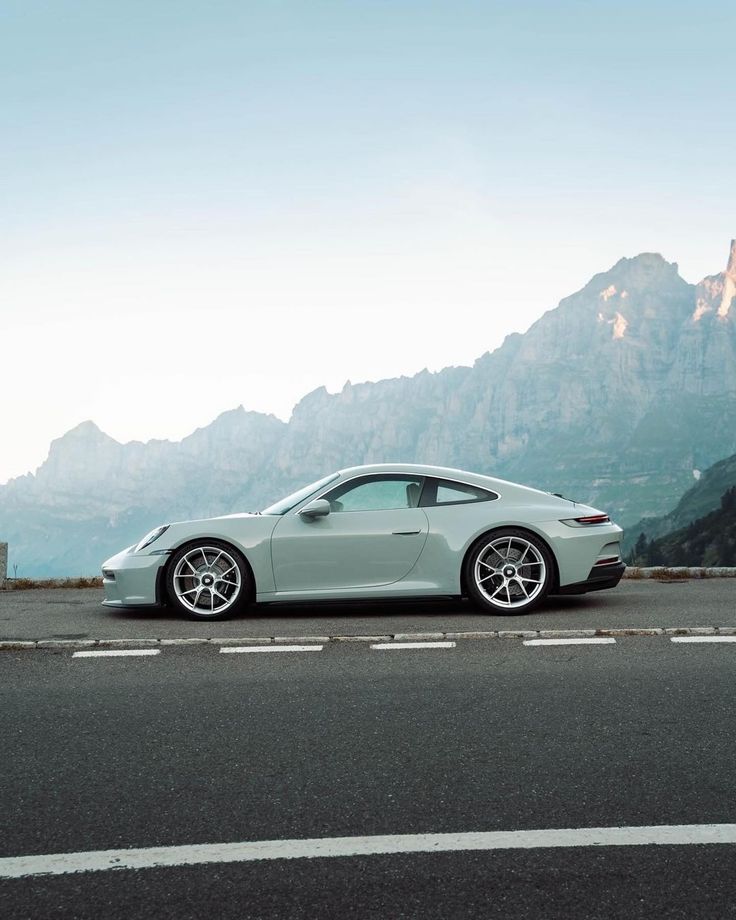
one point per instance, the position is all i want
(150, 538)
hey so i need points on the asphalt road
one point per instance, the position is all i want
(78, 614)
(195, 746)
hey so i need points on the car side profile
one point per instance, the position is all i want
(371, 532)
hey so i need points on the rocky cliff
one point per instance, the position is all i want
(617, 397)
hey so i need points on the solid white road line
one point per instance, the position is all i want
(703, 638)
(320, 847)
(238, 649)
(597, 641)
(117, 652)
(381, 645)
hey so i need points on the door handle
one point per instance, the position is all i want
(404, 533)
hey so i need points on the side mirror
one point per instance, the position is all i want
(318, 508)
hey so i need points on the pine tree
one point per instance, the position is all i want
(640, 553)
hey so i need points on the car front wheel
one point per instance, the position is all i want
(509, 571)
(208, 580)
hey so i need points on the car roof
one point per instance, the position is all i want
(420, 469)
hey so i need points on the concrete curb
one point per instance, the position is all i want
(615, 632)
(672, 572)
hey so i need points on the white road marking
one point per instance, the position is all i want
(237, 649)
(606, 640)
(381, 645)
(116, 652)
(321, 847)
(703, 638)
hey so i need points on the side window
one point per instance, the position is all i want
(377, 494)
(446, 492)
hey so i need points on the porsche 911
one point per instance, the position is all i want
(372, 532)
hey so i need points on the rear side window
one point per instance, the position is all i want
(445, 492)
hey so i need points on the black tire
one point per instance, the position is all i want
(503, 566)
(208, 580)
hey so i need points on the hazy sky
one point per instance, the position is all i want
(214, 203)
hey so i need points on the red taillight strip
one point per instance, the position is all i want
(593, 519)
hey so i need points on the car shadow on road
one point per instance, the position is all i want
(366, 610)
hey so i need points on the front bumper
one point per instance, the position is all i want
(600, 578)
(133, 579)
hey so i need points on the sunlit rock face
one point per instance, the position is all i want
(716, 293)
(705, 362)
(614, 398)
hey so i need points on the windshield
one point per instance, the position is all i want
(286, 504)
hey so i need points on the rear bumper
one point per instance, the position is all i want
(600, 578)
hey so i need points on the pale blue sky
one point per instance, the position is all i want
(192, 191)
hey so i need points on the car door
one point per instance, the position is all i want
(372, 536)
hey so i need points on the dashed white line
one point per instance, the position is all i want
(382, 645)
(322, 847)
(239, 649)
(703, 639)
(602, 640)
(117, 653)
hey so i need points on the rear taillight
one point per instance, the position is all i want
(588, 520)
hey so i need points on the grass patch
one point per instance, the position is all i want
(664, 573)
(26, 584)
(674, 574)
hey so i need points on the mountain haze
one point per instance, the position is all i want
(709, 540)
(700, 500)
(618, 397)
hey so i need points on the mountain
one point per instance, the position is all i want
(700, 500)
(93, 495)
(617, 397)
(708, 541)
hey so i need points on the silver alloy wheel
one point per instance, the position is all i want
(207, 580)
(510, 572)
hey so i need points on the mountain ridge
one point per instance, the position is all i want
(708, 540)
(701, 499)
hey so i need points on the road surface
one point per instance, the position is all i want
(193, 746)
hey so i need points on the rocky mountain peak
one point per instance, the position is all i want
(729, 284)
(640, 301)
(716, 293)
(84, 438)
(86, 431)
(78, 455)
(731, 267)
(641, 270)
(239, 419)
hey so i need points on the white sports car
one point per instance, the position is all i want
(382, 531)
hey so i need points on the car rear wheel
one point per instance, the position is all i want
(208, 580)
(509, 571)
